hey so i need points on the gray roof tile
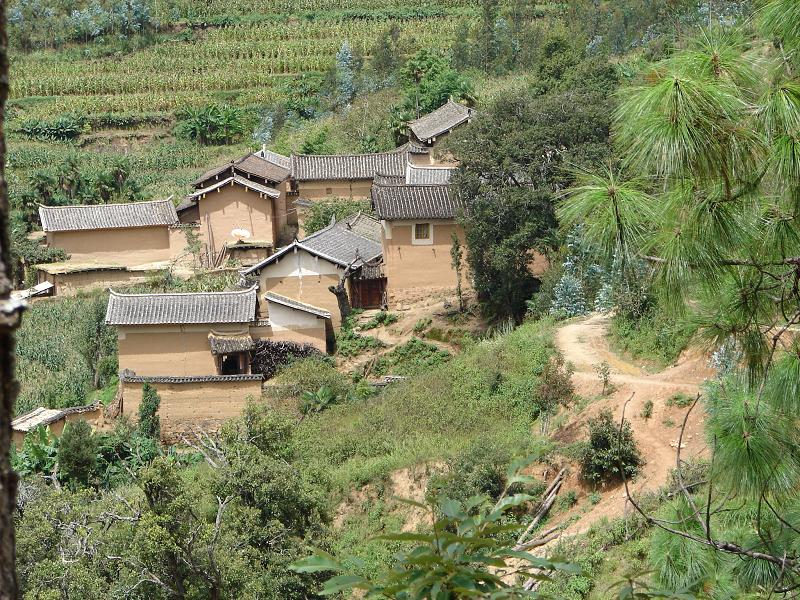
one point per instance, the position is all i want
(364, 225)
(440, 121)
(428, 175)
(292, 303)
(129, 377)
(307, 167)
(239, 180)
(204, 307)
(108, 216)
(398, 202)
(270, 166)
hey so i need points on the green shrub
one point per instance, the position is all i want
(77, 454)
(212, 125)
(607, 448)
(314, 402)
(421, 325)
(647, 409)
(349, 343)
(61, 129)
(321, 212)
(478, 469)
(381, 319)
(655, 336)
(567, 500)
(311, 374)
(680, 399)
(594, 498)
(149, 421)
(411, 358)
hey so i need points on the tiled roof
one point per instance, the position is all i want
(44, 416)
(428, 175)
(440, 121)
(341, 244)
(364, 225)
(227, 344)
(238, 180)
(108, 216)
(397, 202)
(306, 167)
(270, 166)
(275, 158)
(292, 303)
(382, 179)
(128, 377)
(335, 243)
(159, 309)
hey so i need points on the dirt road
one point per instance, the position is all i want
(585, 345)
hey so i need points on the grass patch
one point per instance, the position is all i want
(382, 319)
(430, 417)
(655, 338)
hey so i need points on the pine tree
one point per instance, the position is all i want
(77, 453)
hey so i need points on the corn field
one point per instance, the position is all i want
(239, 57)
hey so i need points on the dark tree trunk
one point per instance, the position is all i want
(9, 319)
(340, 291)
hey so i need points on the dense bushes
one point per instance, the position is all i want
(321, 213)
(64, 128)
(212, 125)
(608, 449)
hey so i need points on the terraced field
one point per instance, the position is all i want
(237, 52)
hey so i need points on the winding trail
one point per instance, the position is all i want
(584, 344)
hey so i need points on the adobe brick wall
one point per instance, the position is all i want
(127, 246)
(188, 406)
(235, 207)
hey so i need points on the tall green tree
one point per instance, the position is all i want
(515, 158)
(149, 421)
(714, 129)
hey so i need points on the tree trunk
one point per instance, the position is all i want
(340, 291)
(9, 319)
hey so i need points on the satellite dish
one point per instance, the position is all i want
(240, 234)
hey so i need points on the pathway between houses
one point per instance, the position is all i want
(584, 343)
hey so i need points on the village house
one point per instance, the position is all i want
(195, 348)
(54, 419)
(418, 224)
(109, 243)
(307, 268)
(320, 177)
(241, 208)
(429, 130)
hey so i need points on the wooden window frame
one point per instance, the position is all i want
(418, 241)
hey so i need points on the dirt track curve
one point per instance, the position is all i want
(584, 344)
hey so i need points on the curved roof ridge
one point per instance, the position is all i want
(69, 206)
(231, 292)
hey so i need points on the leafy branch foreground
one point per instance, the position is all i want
(465, 555)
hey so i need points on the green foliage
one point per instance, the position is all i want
(603, 371)
(212, 125)
(421, 325)
(509, 171)
(149, 421)
(60, 129)
(349, 343)
(39, 453)
(321, 212)
(299, 376)
(314, 402)
(57, 352)
(476, 470)
(609, 448)
(653, 336)
(77, 453)
(567, 500)
(412, 358)
(463, 555)
(382, 319)
(647, 409)
(317, 142)
(680, 399)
